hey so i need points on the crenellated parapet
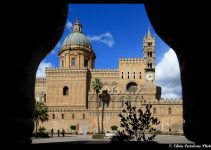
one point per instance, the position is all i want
(65, 71)
(130, 60)
(66, 108)
(147, 86)
(40, 80)
(170, 101)
(105, 73)
(105, 70)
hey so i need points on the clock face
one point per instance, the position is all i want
(149, 76)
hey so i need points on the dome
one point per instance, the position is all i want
(76, 37)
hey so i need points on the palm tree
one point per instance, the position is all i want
(105, 98)
(41, 113)
(97, 86)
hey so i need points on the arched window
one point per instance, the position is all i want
(154, 110)
(85, 63)
(149, 65)
(140, 75)
(84, 117)
(73, 116)
(134, 75)
(169, 111)
(65, 91)
(53, 116)
(44, 98)
(122, 75)
(132, 87)
(150, 54)
(62, 116)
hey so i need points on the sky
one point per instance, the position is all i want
(116, 31)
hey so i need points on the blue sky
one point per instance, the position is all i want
(115, 31)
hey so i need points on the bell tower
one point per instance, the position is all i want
(149, 57)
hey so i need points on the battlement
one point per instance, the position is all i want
(170, 101)
(105, 70)
(65, 71)
(40, 80)
(148, 86)
(111, 73)
(130, 60)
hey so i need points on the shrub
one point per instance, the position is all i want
(158, 132)
(42, 129)
(136, 124)
(114, 127)
(73, 127)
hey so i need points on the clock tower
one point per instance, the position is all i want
(149, 58)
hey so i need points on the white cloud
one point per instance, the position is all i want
(41, 68)
(69, 25)
(105, 38)
(168, 76)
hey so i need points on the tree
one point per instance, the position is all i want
(136, 124)
(105, 98)
(97, 86)
(41, 113)
(114, 128)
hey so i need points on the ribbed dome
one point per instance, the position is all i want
(76, 38)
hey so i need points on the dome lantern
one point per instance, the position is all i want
(77, 26)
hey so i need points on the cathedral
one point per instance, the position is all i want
(71, 101)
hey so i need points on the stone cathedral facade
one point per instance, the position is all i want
(68, 93)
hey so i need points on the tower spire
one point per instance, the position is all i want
(149, 34)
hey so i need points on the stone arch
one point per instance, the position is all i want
(132, 87)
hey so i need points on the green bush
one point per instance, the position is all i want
(136, 124)
(114, 127)
(42, 129)
(73, 127)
